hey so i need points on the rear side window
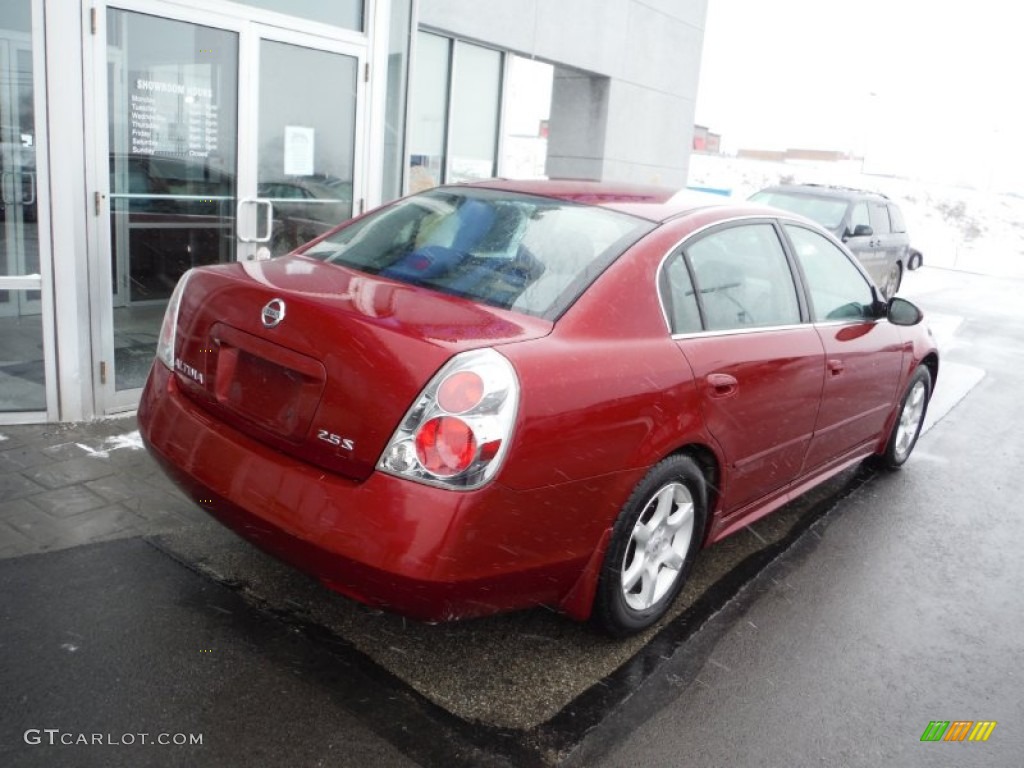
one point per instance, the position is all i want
(837, 288)
(743, 279)
(879, 218)
(896, 216)
(531, 254)
(859, 216)
(679, 297)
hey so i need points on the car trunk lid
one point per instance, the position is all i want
(320, 361)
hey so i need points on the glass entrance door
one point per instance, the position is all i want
(173, 125)
(306, 142)
(227, 141)
(22, 360)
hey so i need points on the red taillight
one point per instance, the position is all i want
(456, 434)
(445, 446)
(460, 392)
(169, 328)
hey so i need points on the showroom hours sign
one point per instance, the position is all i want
(173, 118)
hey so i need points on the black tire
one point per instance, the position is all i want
(909, 420)
(679, 481)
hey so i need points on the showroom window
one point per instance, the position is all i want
(455, 112)
(399, 41)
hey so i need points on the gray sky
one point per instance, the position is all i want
(929, 89)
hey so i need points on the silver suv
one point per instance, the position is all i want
(870, 224)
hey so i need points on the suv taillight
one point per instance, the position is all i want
(169, 328)
(457, 432)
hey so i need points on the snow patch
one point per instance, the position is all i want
(131, 440)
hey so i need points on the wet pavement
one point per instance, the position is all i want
(823, 636)
(115, 639)
(902, 606)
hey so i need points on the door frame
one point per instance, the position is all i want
(252, 25)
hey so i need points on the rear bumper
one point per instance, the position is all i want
(425, 552)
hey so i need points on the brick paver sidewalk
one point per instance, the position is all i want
(62, 485)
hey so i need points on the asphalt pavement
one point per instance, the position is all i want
(833, 634)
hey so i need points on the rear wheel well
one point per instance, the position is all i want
(708, 463)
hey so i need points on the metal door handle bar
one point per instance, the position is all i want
(270, 219)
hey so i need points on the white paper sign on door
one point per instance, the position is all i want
(298, 150)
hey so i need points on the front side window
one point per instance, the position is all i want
(531, 254)
(838, 290)
(743, 278)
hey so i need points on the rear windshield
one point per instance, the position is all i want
(827, 211)
(531, 254)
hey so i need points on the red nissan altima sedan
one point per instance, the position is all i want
(492, 396)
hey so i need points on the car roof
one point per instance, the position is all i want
(826, 190)
(653, 203)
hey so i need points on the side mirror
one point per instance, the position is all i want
(863, 230)
(903, 312)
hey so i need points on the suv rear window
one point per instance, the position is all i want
(531, 254)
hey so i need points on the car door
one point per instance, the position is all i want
(864, 247)
(884, 251)
(736, 316)
(863, 353)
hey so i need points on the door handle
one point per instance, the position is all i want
(12, 188)
(7, 182)
(721, 385)
(31, 198)
(257, 201)
(835, 367)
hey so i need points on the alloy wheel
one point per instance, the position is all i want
(657, 546)
(910, 420)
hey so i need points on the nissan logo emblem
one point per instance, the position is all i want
(273, 313)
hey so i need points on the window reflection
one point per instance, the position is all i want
(306, 141)
(430, 116)
(454, 134)
(476, 100)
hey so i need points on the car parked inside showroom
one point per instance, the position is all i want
(869, 223)
(499, 395)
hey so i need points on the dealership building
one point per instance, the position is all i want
(144, 137)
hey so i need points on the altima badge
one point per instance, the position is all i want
(273, 313)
